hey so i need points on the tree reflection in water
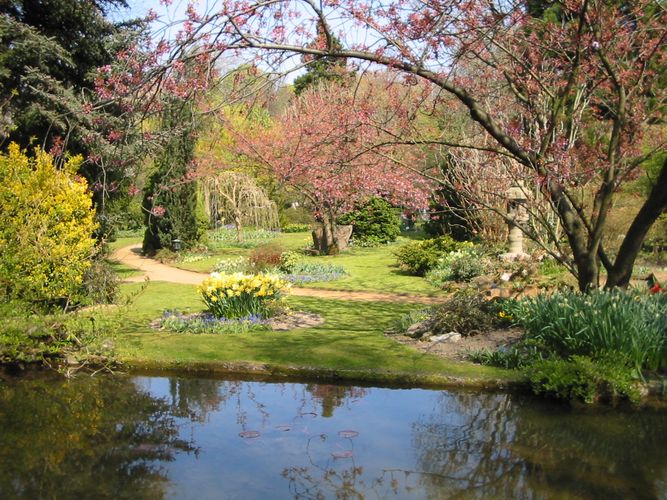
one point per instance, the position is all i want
(122, 437)
(92, 437)
(195, 398)
(334, 396)
(507, 446)
(499, 445)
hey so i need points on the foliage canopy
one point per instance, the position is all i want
(46, 227)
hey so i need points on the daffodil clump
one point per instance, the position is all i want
(242, 295)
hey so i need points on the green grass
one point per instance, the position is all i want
(122, 270)
(373, 269)
(290, 241)
(125, 241)
(350, 340)
(369, 269)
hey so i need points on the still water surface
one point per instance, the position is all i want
(149, 437)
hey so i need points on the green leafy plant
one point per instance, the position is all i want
(294, 270)
(231, 266)
(628, 324)
(374, 223)
(517, 355)
(460, 266)
(207, 323)
(295, 228)
(582, 378)
(166, 256)
(226, 237)
(418, 257)
(310, 272)
(288, 261)
(468, 313)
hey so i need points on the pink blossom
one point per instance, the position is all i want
(158, 211)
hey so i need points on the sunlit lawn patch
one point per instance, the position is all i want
(351, 338)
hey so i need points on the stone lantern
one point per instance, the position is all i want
(517, 215)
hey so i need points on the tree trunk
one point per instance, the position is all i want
(586, 261)
(323, 237)
(239, 227)
(588, 271)
(656, 203)
(328, 240)
(331, 238)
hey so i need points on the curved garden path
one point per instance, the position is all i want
(130, 256)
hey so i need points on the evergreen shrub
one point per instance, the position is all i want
(46, 228)
(374, 223)
(418, 257)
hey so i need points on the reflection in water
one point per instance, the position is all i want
(183, 438)
(195, 398)
(499, 445)
(334, 396)
(89, 438)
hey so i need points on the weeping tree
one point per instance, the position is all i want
(236, 197)
(582, 80)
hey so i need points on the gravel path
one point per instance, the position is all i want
(155, 271)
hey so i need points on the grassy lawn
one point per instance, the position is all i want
(289, 241)
(373, 269)
(121, 270)
(350, 340)
(125, 241)
(369, 269)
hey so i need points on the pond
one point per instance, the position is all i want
(158, 437)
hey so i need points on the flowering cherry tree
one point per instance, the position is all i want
(581, 79)
(325, 148)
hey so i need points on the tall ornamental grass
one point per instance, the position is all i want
(630, 325)
(241, 295)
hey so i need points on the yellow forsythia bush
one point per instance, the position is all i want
(241, 295)
(46, 227)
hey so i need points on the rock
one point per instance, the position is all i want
(341, 237)
(417, 330)
(447, 337)
(71, 360)
(426, 336)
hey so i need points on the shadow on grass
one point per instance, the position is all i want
(351, 338)
(121, 270)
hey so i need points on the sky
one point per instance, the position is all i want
(139, 8)
(169, 17)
